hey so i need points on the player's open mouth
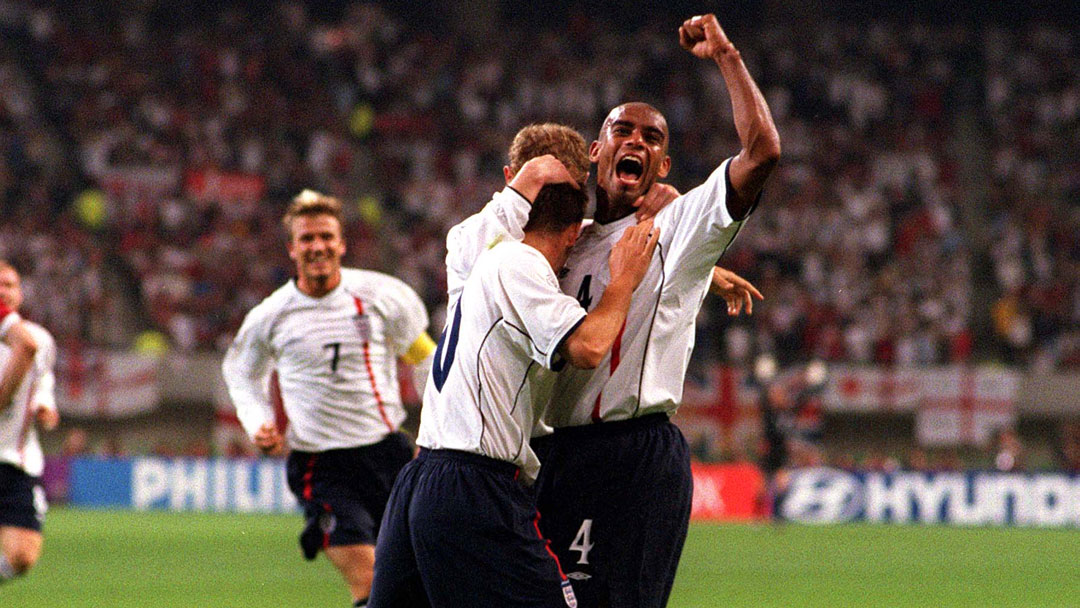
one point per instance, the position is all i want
(629, 169)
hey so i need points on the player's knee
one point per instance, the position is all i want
(22, 559)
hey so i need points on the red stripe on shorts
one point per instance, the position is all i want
(308, 474)
(547, 546)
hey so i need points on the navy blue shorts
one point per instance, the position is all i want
(22, 499)
(616, 500)
(344, 492)
(460, 530)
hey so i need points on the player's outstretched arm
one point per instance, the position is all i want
(628, 262)
(23, 349)
(703, 36)
(736, 291)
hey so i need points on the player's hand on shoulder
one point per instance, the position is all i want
(703, 36)
(269, 440)
(736, 291)
(650, 203)
(633, 253)
(47, 418)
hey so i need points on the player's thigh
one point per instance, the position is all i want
(477, 543)
(396, 582)
(22, 500)
(376, 468)
(336, 511)
(571, 496)
(644, 541)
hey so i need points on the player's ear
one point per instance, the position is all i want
(341, 237)
(509, 175)
(570, 234)
(594, 151)
(665, 167)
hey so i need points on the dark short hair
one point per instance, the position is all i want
(557, 207)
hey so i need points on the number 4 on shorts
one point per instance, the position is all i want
(582, 541)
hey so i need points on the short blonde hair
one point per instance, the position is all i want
(560, 141)
(308, 203)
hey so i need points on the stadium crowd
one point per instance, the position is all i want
(924, 212)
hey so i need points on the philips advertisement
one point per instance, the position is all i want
(827, 496)
(181, 484)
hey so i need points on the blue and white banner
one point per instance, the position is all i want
(829, 496)
(181, 484)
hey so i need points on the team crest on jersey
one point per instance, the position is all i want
(568, 594)
(363, 327)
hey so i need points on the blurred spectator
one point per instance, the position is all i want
(146, 161)
(1069, 446)
(917, 460)
(1008, 452)
(112, 447)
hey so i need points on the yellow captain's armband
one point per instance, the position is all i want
(420, 349)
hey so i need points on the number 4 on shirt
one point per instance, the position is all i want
(444, 353)
(582, 541)
(583, 296)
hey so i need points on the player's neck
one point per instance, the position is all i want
(608, 211)
(317, 287)
(549, 245)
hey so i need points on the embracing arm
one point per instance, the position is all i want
(760, 140)
(503, 218)
(538, 172)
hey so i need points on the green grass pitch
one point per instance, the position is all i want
(158, 560)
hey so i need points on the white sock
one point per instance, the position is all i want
(7, 572)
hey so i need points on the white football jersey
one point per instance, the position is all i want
(19, 443)
(502, 219)
(645, 370)
(492, 371)
(336, 359)
(8, 318)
